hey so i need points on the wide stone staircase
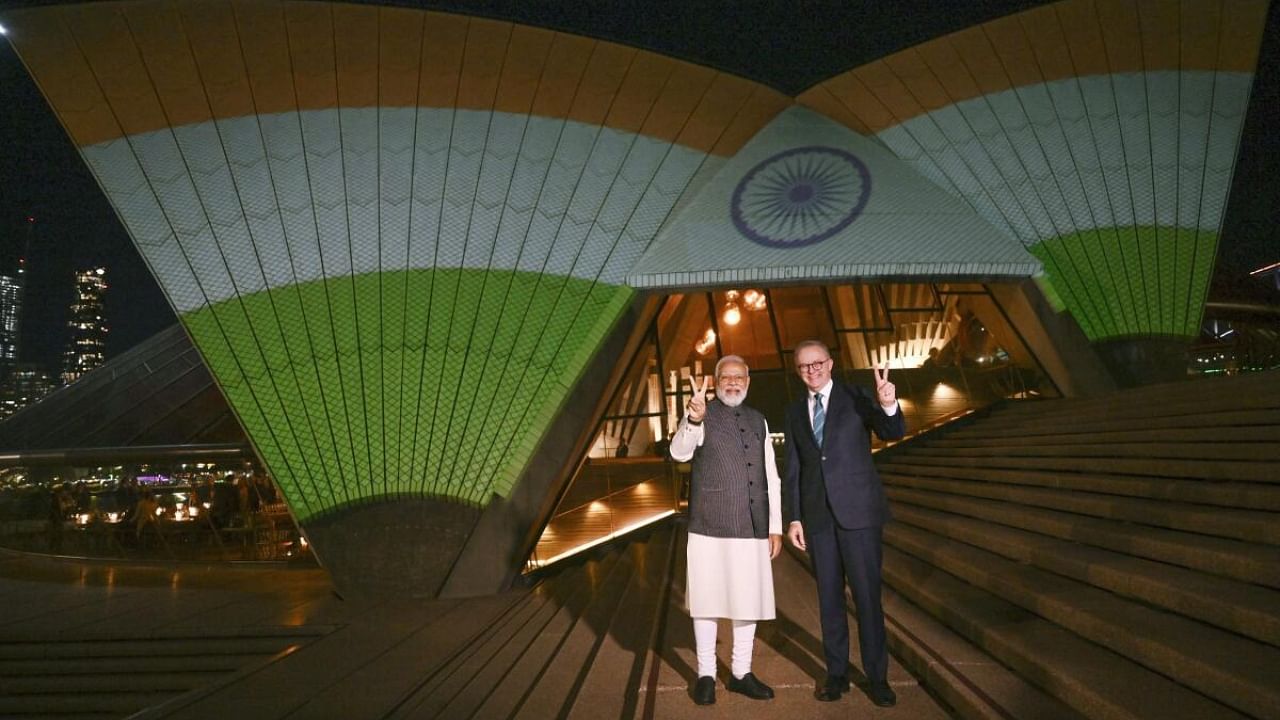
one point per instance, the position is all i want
(571, 643)
(116, 675)
(573, 647)
(1106, 558)
(1116, 557)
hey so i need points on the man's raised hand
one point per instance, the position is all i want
(886, 393)
(697, 407)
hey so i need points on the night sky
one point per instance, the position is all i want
(42, 176)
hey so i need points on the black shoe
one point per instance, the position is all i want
(833, 688)
(750, 686)
(704, 692)
(882, 695)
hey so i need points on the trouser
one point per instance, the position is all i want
(853, 555)
(744, 635)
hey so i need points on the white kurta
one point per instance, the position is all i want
(730, 577)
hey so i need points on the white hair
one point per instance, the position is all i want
(731, 359)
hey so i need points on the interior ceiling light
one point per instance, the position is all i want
(731, 314)
(755, 300)
(707, 342)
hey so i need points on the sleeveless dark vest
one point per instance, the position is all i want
(727, 496)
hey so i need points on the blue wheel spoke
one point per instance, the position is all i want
(800, 196)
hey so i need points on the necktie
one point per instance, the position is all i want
(819, 418)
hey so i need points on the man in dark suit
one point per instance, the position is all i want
(835, 508)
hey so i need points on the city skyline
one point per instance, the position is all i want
(43, 323)
(85, 333)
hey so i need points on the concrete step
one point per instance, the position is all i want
(997, 424)
(1234, 671)
(513, 674)
(1252, 390)
(447, 681)
(531, 666)
(494, 674)
(975, 685)
(1246, 562)
(1093, 681)
(1019, 417)
(1253, 496)
(622, 648)
(1242, 608)
(115, 665)
(545, 671)
(1248, 525)
(1220, 470)
(1261, 452)
(88, 715)
(457, 688)
(979, 436)
(116, 704)
(68, 683)
(370, 667)
(1117, 407)
(129, 648)
(121, 676)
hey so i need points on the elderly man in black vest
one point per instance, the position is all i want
(735, 524)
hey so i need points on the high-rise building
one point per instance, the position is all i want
(26, 384)
(10, 321)
(13, 284)
(87, 344)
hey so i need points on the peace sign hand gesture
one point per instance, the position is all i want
(697, 407)
(886, 393)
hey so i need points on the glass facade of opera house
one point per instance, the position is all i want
(950, 348)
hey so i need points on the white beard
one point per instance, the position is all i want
(733, 399)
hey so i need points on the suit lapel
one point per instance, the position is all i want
(806, 406)
(837, 406)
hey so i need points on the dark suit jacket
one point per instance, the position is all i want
(838, 475)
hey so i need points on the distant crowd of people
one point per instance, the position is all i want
(219, 505)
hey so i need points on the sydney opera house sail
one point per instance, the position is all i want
(397, 237)
(1102, 135)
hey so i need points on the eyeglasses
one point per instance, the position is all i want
(733, 379)
(813, 367)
